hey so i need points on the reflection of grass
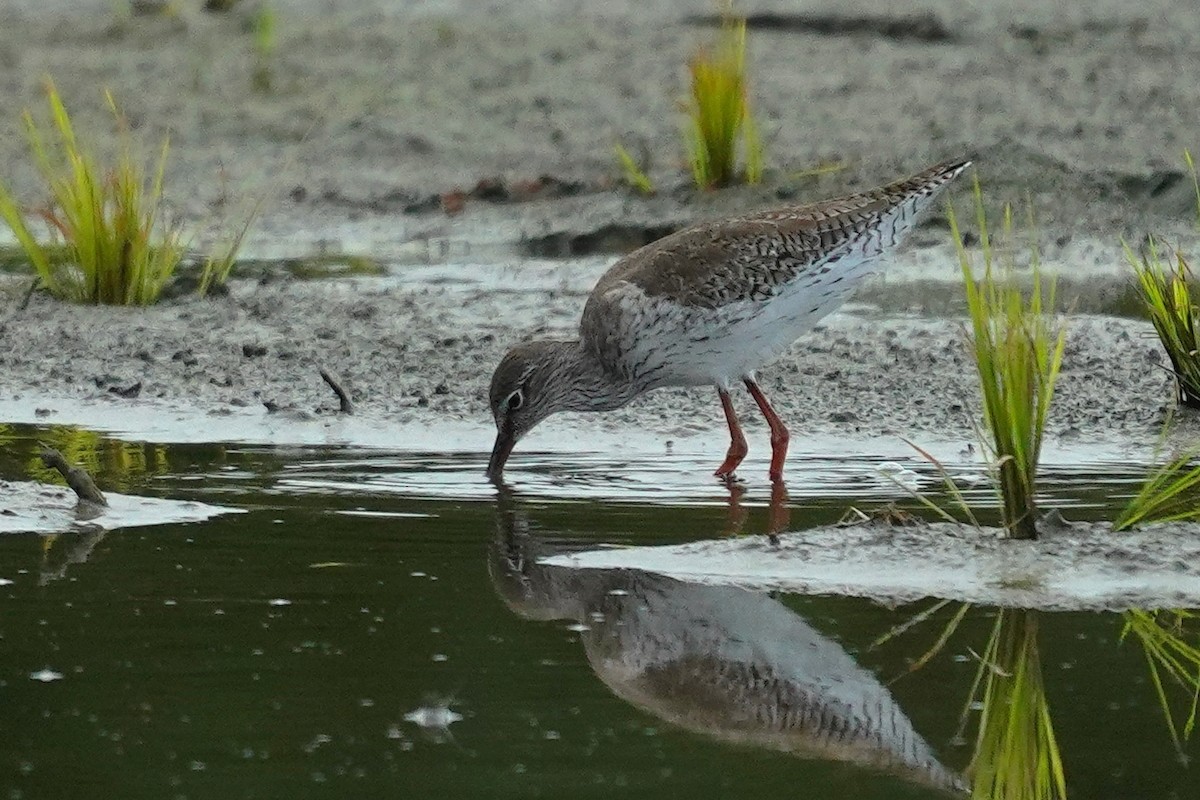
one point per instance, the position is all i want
(947, 631)
(1016, 753)
(1017, 348)
(719, 111)
(1171, 657)
(114, 464)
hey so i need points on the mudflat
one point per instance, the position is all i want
(378, 112)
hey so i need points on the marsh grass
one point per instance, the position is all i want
(1191, 165)
(1171, 660)
(110, 241)
(262, 28)
(957, 501)
(1170, 494)
(1017, 756)
(719, 114)
(1165, 287)
(217, 267)
(632, 172)
(1017, 346)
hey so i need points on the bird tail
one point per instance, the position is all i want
(925, 184)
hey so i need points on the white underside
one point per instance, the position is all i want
(689, 346)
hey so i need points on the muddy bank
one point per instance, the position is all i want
(27, 507)
(414, 353)
(378, 111)
(1072, 567)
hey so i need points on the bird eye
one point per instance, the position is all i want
(514, 401)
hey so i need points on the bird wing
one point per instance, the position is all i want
(753, 256)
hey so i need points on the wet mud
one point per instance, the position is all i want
(389, 123)
(414, 354)
(1072, 567)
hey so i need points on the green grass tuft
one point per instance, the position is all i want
(1017, 347)
(1165, 290)
(1170, 494)
(719, 112)
(110, 241)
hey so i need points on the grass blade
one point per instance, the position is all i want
(632, 173)
(1017, 348)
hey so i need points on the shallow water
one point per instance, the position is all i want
(378, 622)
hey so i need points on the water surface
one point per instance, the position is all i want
(378, 623)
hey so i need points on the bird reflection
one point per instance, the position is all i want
(725, 662)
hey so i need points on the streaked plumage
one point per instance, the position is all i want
(710, 305)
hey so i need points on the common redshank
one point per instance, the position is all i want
(709, 305)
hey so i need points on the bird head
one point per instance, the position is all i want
(527, 386)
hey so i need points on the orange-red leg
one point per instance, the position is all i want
(737, 439)
(779, 431)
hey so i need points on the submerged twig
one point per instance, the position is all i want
(345, 406)
(77, 477)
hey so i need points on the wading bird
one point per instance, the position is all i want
(709, 305)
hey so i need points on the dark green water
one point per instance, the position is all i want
(277, 653)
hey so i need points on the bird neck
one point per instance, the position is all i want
(584, 383)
